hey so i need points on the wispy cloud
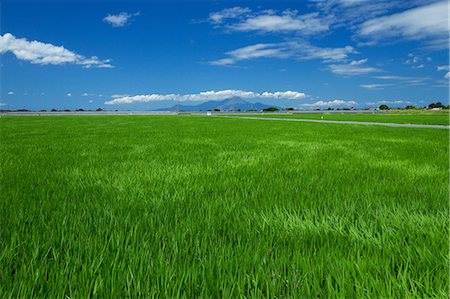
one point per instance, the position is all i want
(10, 92)
(42, 53)
(288, 21)
(424, 22)
(228, 13)
(404, 80)
(244, 19)
(208, 96)
(354, 68)
(295, 49)
(444, 68)
(375, 86)
(120, 19)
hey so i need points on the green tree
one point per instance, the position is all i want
(271, 109)
(384, 107)
(435, 105)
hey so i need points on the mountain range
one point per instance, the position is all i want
(231, 104)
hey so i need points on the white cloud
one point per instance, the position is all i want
(69, 94)
(208, 96)
(243, 19)
(228, 13)
(307, 24)
(10, 92)
(444, 68)
(114, 96)
(295, 49)
(91, 101)
(42, 53)
(347, 13)
(397, 78)
(428, 21)
(330, 103)
(358, 62)
(120, 19)
(3, 104)
(404, 81)
(375, 86)
(353, 68)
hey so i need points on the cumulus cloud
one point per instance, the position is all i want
(42, 53)
(427, 21)
(330, 103)
(120, 19)
(353, 68)
(208, 96)
(295, 49)
(10, 92)
(69, 94)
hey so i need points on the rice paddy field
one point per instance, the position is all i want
(429, 118)
(206, 207)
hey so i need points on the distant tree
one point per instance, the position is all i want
(447, 107)
(80, 109)
(435, 105)
(270, 109)
(99, 109)
(410, 107)
(42, 110)
(217, 110)
(53, 110)
(384, 107)
(290, 108)
(329, 108)
(67, 110)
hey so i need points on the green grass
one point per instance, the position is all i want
(201, 207)
(439, 118)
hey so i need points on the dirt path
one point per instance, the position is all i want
(340, 122)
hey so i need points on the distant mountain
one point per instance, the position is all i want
(231, 104)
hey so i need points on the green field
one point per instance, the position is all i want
(204, 207)
(433, 118)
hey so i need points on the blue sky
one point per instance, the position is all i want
(152, 54)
